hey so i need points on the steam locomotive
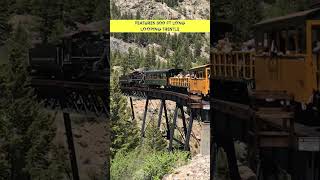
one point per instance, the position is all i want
(80, 56)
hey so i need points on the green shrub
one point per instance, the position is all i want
(141, 164)
(158, 164)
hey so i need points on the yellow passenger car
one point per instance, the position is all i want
(196, 81)
(288, 55)
(199, 80)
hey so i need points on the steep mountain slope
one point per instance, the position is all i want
(151, 9)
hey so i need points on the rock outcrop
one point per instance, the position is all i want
(150, 9)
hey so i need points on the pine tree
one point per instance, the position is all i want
(101, 10)
(154, 140)
(138, 15)
(115, 12)
(124, 136)
(153, 57)
(26, 130)
(50, 12)
(129, 60)
(4, 15)
(148, 59)
(136, 59)
(197, 48)
(284, 7)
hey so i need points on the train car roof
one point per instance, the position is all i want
(294, 20)
(162, 70)
(200, 67)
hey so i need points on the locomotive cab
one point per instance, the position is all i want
(80, 56)
(45, 60)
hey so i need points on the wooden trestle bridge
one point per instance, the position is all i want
(90, 99)
(264, 129)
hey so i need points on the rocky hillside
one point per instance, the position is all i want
(197, 168)
(159, 9)
(183, 50)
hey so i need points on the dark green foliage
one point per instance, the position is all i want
(124, 132)
(4, 15)
(243, 14)
(26, 132)
(140, 164)
(170, 3)
(149, 161)
(186, 49)
(54, 14)
(283, 7)
(154, 140)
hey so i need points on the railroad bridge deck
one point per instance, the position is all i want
(74, 97)
(192, 102)
(89, 99)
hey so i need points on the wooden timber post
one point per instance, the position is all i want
(132, 110)
(68, 129)
(183, 121)
(167, 119)
(72, 153)
(189, 130)
(144, 119)
(173, 128)
(160, 113)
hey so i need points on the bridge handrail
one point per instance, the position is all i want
(179, 81)
(234, 65)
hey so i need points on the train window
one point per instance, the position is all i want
(201, 74)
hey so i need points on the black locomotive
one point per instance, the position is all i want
(80, 56)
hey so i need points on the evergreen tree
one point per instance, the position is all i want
(124, 133)
(154, 140)
(153, 57)
(136, 58)
(128, 63)
(4, 15)
(148, 60)
(27, 132)
(244, 14)
(115, 11)
(197, 48)
(284, 7)
(138, 15)
(50, 12)
(101, 10)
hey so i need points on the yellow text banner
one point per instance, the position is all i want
(159, 26)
